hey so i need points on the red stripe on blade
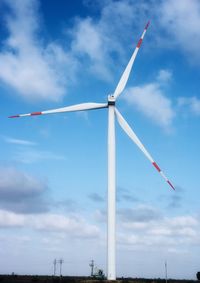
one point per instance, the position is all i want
(15, 116)
(139, 43)
(156, 166)
(36, 113)
(147, 25)
(170, 184)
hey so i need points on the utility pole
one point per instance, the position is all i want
(61, 262)
(166, 271)
(54, 267)
(92, 267)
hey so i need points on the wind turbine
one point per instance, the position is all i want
(112, 113)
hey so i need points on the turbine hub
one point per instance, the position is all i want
(111, 100)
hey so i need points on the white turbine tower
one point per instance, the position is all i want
(112, 112)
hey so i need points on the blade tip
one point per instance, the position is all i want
(171, 185)
(147, 25)
(14, 116)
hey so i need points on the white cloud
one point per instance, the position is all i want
(159, 236)
(184, 221)
(90, 41)
(101, 39)
(151, 100)
(164, 76)
(26, 64)
(10, 219)
(175, 25)
(136, 229)
(154, 230)
(37, 70)
(181, 20)
(73, 225)
(145, 227)
(190, 103)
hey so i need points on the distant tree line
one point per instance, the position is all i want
(198, 275)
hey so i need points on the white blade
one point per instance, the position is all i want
(124, 78)
(127, 129)
(77, 107)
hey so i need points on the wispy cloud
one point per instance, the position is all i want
(190, 103)
(175, 201)
(96, 197)
(69, 205)
(19, 141)
(125, 195)
(141, 213)
(34, 155)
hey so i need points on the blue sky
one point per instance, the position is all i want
(53, 169)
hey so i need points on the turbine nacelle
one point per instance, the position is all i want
(111, 99)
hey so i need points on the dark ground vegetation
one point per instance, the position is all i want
(70, 279)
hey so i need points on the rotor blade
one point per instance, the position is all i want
(127, 129)
(77, 107)
(124, 78)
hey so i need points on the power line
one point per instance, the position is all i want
(92, 267)
(54, 267)
(61, 262)
(166, 271)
